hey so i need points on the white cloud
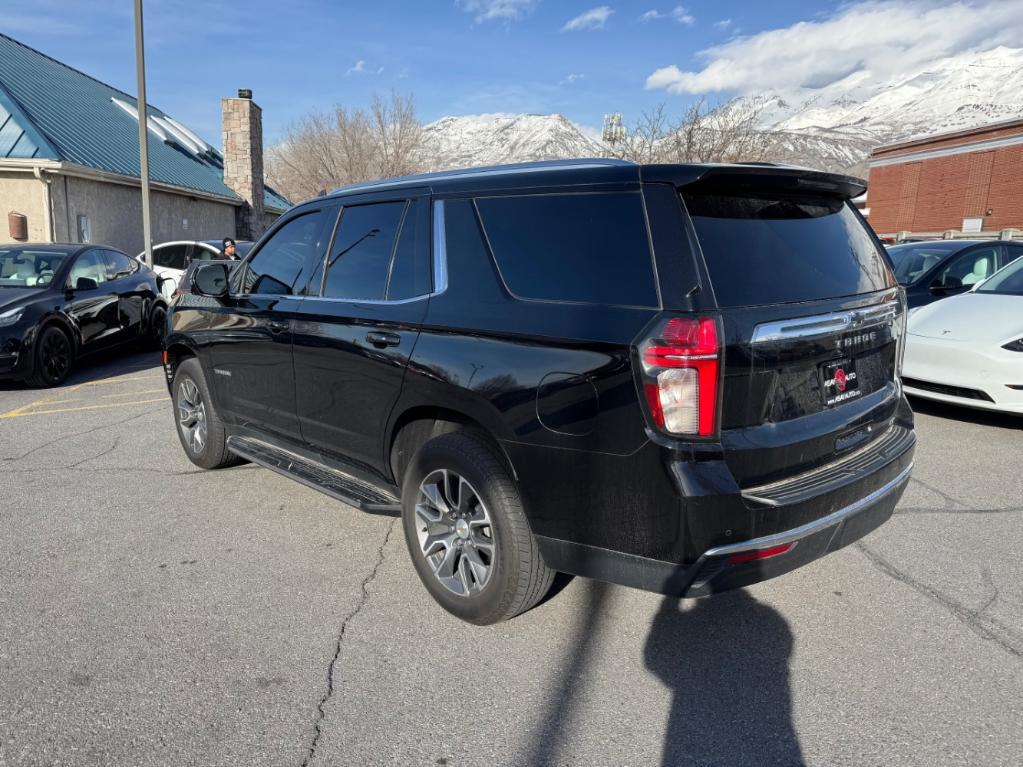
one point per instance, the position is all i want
(572, 78)
(871, 41)
(595, 18)
(723, 24)
(497, 10)
(679, 13)
(358, 68)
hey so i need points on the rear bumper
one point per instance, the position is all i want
(817, 524)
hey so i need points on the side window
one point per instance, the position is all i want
(589, 248)
(968, 269)
(171, 256)
(90, 265)
(282, 259)
(412, 271)
(119, 265)
(361, 256)
(1010, 253)
(202, 254)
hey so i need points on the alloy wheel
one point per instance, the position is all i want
(455, 533)
(56, 356)
(192, 415)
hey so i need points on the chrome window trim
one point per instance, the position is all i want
(440, 249)
(825, 324)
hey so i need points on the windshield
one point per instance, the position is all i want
(914, 261)
(26, 268)
(1009, 281)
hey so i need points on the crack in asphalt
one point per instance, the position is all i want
(320, 708)
(65, 437)
(932, 510)
(108, 451)
(952, 505)
(984, 626)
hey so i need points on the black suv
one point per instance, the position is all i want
(683, 378)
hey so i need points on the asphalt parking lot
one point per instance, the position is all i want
(154, 613)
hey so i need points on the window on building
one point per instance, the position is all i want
(84, 228)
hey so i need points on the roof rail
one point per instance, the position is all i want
(488, 170)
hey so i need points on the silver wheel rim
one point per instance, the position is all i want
(455, 533)
(192, 415)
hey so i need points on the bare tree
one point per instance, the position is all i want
(324, 150)
(728, 132)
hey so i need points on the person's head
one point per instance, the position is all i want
(229, 248)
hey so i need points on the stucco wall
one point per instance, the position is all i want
(115, 214)
(23, 193)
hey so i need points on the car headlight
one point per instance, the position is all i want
(9, 318)
(1015, 346)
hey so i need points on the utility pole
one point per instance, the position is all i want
(143, 113)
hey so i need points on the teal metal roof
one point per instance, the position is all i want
(49, 110)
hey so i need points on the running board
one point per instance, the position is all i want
(337, 484)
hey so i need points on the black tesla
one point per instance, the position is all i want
(60, 302)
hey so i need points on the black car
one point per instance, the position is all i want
(64, 301)
(939, 268)
(683, 378)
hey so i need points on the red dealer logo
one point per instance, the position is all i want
(841, 379)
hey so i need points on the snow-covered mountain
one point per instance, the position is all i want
(833, 130)
(961, 91)
(494, 139)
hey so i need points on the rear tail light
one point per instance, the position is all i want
(681, 365)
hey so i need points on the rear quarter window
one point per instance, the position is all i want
(581, 248)
(763, 248)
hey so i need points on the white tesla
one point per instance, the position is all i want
(968, 349)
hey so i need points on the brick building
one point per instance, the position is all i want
(967, 181)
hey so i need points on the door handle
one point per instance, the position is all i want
(278, 326)
(381, 339)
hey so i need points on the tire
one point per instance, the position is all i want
(199, 428)
(157, 329)
(481, 564)
(54, 356)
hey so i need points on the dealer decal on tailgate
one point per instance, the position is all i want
(839, 381)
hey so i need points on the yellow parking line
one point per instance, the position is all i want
(132, 393)
(19, 414)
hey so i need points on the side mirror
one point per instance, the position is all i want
(210, 280)
(86, 283)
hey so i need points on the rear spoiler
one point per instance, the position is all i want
(787, 178)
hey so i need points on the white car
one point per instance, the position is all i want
(171, 259)
(968, 349)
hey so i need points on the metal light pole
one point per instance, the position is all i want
(143, 113)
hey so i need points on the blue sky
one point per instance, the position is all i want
(579, 58)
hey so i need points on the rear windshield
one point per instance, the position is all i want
(767, 248)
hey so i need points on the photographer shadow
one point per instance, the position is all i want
(726, 661)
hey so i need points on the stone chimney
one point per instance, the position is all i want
(243, 161)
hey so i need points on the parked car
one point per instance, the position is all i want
(968, 350)
(679, 378)
(171, 259)
(940, 268)
(61, 302)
